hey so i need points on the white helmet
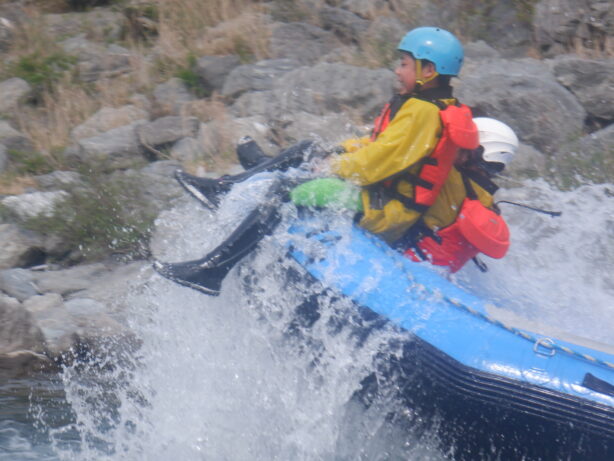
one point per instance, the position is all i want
(498, 140)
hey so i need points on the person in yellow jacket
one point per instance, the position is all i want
(398, 175)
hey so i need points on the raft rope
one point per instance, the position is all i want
(537, 341)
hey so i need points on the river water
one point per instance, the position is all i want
(242, 377)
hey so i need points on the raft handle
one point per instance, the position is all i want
(545, 347)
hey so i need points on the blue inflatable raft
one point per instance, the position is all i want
(496, 381)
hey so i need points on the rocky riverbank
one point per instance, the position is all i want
(77, 209)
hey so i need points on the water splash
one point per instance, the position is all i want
(254, 374)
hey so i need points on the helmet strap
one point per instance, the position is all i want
(420, 80)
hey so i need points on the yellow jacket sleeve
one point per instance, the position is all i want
(411, 136)
(353, 144)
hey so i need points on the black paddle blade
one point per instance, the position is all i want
(207, 281)
(206, 190)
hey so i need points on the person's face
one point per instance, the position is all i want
(406, 74)
(407, 77)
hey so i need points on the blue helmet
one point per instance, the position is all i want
(436, 45)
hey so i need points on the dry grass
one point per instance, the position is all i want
(10, 185)
(185, 28)
(64, 107)
(217, 142)
(197, 27)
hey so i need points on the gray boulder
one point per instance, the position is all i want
(479, 50)
(171, 96)
(21, 342)
(329, 87)
(18, 283)
(561, 26)
(367, 9)
(156, 187)
(12, 92)
(321, 89)
(589, 158)
(108, 118)
(346, 25)
(4, 158)
(96, 61)
(528, 163)
(327, 129)
(187, 151)
(99, 24)
(7, 34)
(20, 248)
(213, 70)
(590, 80)
(301, 42)
(68, 281)
(94, 326)
(114, 149)
(524, 94)
(13, 139)
(58, 180)
(219, 136)
(111, 287)
(33, 204)
(256, 77)
(165, 131)
(49, 314)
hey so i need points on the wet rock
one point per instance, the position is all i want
(21, 342)
(108, 118)
(213, 70)
(94, 326)
(301, 42)
(20, 248)
(68, 281)
(12, 92)
(18, 283)
(34, 204)
(49, 314)
(111, 287)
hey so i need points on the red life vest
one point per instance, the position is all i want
(458, 132)
(381, 122)
(477, 229)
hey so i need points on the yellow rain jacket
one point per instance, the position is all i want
(410, 137)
